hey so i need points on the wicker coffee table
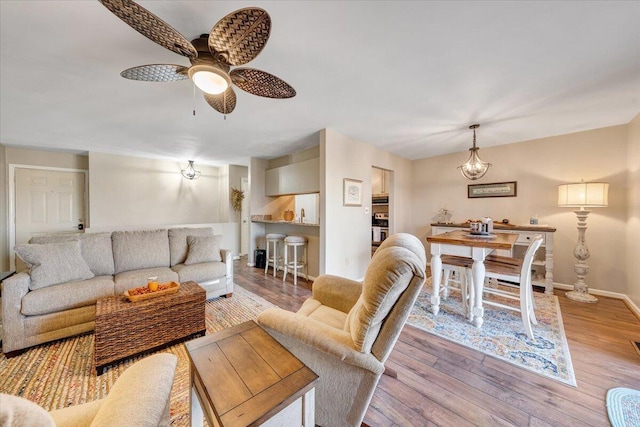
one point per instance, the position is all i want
(124, 328)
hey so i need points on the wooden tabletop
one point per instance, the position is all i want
(246, 374)
(463, 238)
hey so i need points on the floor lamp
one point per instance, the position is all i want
(582, 195)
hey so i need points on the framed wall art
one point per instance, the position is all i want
(352, 192)
(494, 189)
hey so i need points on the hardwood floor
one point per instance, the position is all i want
(445, 384)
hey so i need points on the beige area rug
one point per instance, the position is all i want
(502, 334)
(60, 374)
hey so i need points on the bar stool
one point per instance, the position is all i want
(294, 242)
(272, 255)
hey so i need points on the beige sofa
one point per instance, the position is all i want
(56, 297)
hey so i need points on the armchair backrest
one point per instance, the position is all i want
(408, 241)
(391, 285)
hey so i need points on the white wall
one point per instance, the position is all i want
(4, 212)
(539, 166)
(257, 203)
(131, 191)
(633, 222)
(346, 231)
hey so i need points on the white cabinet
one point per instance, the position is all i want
(379, 181)
(543, 262)
(297, 178)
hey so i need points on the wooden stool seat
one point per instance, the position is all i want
(273, 255)
(297, 263)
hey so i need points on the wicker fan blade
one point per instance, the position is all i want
(241, 35)
(224, 103)
(150, 26)
(156, 73)
(261, 83)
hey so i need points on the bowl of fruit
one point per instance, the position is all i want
(151, 290)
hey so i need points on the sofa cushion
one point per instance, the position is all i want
(135, 250)
(133, 279)
(203, 249)
(54, 238)
(17, 411)
(54, 263)
(202, 272)
(178, 241)
(94, 247)
(313, 309)
(67, 296)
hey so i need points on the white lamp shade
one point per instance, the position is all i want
(583, 194)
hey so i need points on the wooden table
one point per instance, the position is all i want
(241, 376)
(526, 233)
(461, 243)
(124, 328)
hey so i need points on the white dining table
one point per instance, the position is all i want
(476, 247)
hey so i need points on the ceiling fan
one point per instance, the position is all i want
(235, 40)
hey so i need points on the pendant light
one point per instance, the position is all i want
(475, 167)
(190, 172)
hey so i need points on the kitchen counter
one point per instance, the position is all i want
(282, 221)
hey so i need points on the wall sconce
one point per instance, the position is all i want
(581, 195)
(190, 172)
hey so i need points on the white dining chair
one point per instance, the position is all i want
(456, 274)
(514, 279)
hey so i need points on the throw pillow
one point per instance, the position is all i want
(94, 247)
(178, 241)
(54, 263)
(203, 249)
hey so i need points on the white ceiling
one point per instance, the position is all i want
(408, 77)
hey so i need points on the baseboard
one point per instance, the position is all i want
(632, 306)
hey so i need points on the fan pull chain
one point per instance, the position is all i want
(194, 99)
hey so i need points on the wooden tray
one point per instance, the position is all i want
(173, 288)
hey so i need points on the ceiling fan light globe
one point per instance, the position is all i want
(209, 79)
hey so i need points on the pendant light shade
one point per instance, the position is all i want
(475, 167)
(190, 172)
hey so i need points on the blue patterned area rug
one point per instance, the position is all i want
(623, 407)
(502, 334)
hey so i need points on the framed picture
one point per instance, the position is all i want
(352, 189)
(494, 189)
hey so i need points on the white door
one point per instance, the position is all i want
(244, 218)
(47, 201)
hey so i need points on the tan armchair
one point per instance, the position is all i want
(347, 329)
(140, 397)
